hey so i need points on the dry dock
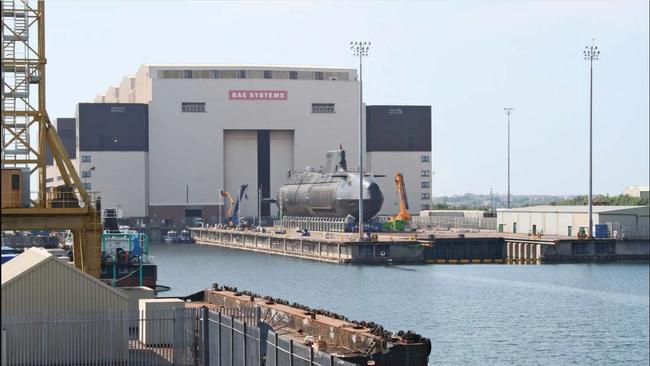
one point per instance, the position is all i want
(412, 248)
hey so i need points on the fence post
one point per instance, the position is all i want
(205, 328)
(219, 338)
(311, 356)
(331, 360)
(244, 345)
(291, 352)
(4, 347)
(232, 340)
(275, 348)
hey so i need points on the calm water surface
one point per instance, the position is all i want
(568, 314)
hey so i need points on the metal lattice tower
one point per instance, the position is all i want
(23, 90)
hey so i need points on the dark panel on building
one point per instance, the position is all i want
(398, 128)
(66, 129)
(113, 127)
(264, 167)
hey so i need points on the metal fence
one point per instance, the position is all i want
(332, 224)
(184, 337)
(165, 337)
(452, 222)
(282, 351)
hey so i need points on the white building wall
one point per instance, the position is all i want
(282, 158)
(126, 90)
(120, 178)
(52, 171)
(240, 167)
(411, 167)
(188, 147)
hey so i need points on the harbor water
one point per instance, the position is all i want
(581, 314)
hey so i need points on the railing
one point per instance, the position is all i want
(452, 222)
(183, 336)
(54, 199)
(331, 224)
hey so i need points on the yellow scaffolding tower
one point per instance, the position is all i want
(27, 131)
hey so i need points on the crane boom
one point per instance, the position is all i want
(232, 202)
(403, 200)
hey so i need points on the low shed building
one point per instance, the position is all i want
(53, 313)
(622, 221)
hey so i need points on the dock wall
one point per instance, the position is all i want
(446, 250)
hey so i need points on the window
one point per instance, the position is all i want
(214, 74)
(85, 158)
(241, 74)
(193, 107)
(424, 158)
(268, 74)
(426, 185)
(59, 178)
(187, 74)
(49, 180)
(425, 173)
(293, 75)
(425, 196)
(318, 75)
(87, 186)
(395, 111)
(227, 74)
(86, 174)
(426, 207)
(322, 108)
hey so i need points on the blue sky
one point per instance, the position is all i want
(467, 59)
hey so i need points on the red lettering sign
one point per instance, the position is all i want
(257, 94)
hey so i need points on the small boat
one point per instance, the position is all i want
(186, 237)
(171, 237)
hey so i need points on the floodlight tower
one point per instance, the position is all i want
(591, 54)
(360, 49)
(509, 111)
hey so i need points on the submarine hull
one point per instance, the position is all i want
(329, 195)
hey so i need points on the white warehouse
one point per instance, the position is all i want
(212, 127)
(623, 221)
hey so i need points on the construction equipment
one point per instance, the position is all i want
(398, 222)
(26, 134)
(235, 206)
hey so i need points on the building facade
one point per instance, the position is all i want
(110, 153)
(399, 140)
(213, 128)
(623, 221)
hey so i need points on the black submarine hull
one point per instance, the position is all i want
(329, 195)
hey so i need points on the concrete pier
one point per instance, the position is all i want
(407, 248)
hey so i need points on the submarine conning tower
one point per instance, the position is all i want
(336, 161)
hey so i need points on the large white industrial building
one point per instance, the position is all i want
(211, 128)
(622, 221)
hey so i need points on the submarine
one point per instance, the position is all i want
(334, 192)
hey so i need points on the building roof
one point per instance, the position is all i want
(240, 66)
(572, 209)
(33, 258)
(640, 188)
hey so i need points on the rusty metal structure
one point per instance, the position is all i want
(27, 132)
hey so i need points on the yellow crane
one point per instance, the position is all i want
(27, 132)
(398, 222)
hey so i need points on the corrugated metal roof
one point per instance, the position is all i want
(33, 258)
(571, 209)
(23, 263)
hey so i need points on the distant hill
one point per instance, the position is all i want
(471, 201)
(600, 200)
